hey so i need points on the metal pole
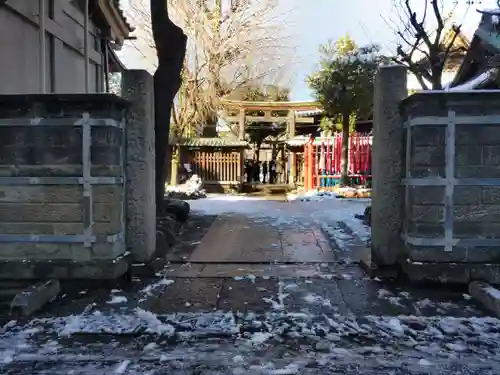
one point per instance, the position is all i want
(43, 48)
(86, 45)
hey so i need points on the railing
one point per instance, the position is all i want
(322, 161)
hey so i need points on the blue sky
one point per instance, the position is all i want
(316, 21)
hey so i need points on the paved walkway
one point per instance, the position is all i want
(259, 287)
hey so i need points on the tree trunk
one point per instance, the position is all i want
(344, 161)
(170, 43)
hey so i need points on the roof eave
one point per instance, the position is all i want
(120, 28)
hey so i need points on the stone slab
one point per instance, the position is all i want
(304, 246)
(33, 299)
(187, 295)
(245, 295)
(317, 296)
(261, 270)
(368, 297)
(222, 241)
(486, 295)
(184, 270)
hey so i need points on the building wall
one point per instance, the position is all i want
(65, 64)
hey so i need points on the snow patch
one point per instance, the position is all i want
(117, 300)
(122, 367)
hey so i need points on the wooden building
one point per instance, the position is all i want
(59, 46)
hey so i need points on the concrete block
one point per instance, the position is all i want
(467, 195)
(33, 299)
(41, 193)
(137, 88)
(459, 254)
(41, 212)
(486, 295)
(443, 273)
(105, 269)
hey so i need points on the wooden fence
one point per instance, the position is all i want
(219, 167)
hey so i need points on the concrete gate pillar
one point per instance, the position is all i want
(387, 165)
(137, 88)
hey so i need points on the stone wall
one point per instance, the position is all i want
(452, 179)
(62, 191)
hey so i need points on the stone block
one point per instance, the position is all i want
(444, 273)
(33, 299)
(428, 230)
(467, 195)
(460, 254)
(427, 135)
(477, 214)
(477, 134)
(477, 171)
(490, 195)
(427, 156)
(491, 154)
(426, 195)
(41, 193)
(107, 269)
(137, 88)
(489, 273)
(467, 155)
(486, 295)
(47, 251)
(41, 212)
(426, 214)
(429, 171)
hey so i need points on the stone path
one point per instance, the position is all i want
(259, 288)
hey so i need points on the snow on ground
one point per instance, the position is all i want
(325, 210)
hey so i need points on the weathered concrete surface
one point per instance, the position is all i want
(387, 166)
(137, 88)
(238, 239)
(457, 225)
(486, 295)
(473, 210)
(27, 302)
(336, 321)
(54, 148)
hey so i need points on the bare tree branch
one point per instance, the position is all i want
(426, 39)
(231, 44)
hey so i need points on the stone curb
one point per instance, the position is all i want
(34, 298)
(486, 295)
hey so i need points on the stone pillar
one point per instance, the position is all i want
(387, 165)
(137, 88)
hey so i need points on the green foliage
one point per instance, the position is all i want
(327, 124)
(344, 81)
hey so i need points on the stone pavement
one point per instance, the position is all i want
(258, 288)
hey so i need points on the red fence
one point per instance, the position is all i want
(322, 161)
